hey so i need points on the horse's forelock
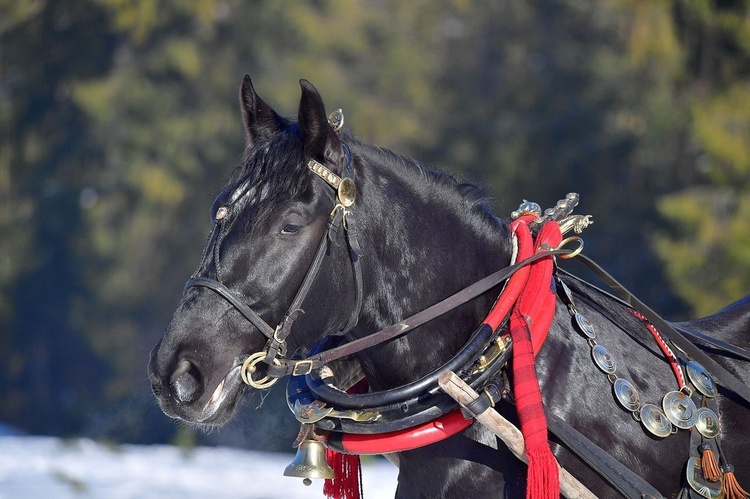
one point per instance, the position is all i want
(272, 173)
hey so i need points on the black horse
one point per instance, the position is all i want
(417, 236)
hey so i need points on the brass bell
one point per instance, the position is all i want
(310, 462)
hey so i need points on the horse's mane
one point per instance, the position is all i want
(260, 183)
(433, 182)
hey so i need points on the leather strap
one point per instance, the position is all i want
(229, 296)
(295, 308)
(491, 395)
(742, 353)
(317, 361)
(618, 475)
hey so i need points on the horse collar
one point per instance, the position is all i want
(417, 413)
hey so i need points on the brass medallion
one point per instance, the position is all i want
(347, 192)
(680, 409)
(626, 394)
(603, 359)
(701, 379)
(707, 422)
(694, 476)
(655, 421)
(585, 326)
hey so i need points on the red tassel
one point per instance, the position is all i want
(711, 471)
(347, 482)
(731, 486)
(543, 478)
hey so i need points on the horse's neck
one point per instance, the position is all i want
(422, 243)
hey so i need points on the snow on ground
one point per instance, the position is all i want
(51, 468)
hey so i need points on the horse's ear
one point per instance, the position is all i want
(261, 122)
(321, 142)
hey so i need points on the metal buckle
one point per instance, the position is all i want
(299, 365)
(276, 333)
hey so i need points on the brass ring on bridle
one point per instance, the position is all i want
(248, 368)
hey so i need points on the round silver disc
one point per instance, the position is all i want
(655, 421)
(701, 379)
(707, 422)
(603, 359)
(680, 409)
(585, 326)
(626, 394)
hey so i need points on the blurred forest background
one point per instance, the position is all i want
(119, 121)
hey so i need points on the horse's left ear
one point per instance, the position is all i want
(261, 122)
(321, 142)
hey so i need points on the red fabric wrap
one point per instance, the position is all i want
(347, 468)
(515, 285)
(529, 324)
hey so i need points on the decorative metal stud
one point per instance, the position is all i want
(707, 422)
(626, 394)
(680, 409)
(575, 222)
(655, 421)
(585, 326)
(347, 192)
(221, 213)
(603, 359)
(527, 208)
(701, 379)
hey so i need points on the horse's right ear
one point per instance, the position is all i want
(261, 122)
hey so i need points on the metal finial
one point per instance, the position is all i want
(527, 208)
(336, 120)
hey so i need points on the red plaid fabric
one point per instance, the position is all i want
(529, 323)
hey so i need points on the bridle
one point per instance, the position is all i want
(274, 352)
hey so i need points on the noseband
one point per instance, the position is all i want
(275, 349)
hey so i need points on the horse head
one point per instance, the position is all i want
(266, 226)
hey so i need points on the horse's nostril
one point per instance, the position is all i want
(186, 382)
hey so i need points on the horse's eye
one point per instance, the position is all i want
(290, 229)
